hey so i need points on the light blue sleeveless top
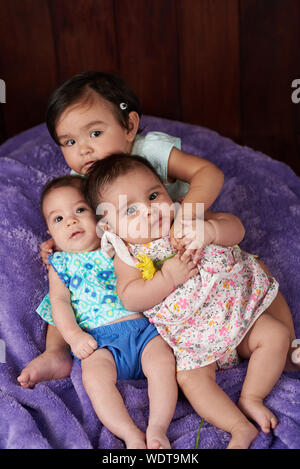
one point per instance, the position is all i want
(156, 148)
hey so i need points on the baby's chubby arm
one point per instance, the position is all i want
(81, 343)
(138, 294)
(205, 178)
(228, 228)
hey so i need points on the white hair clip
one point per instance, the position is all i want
(123, 106)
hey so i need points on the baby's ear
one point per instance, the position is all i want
(133, 125)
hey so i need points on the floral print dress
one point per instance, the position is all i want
(205, 319)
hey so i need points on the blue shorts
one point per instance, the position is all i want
(126, 341)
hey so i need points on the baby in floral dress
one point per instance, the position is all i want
(205, 319)
(215, 317)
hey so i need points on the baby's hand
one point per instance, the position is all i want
(183, 232)
(196, 234)
(178, 270)
(46, 249)
(83, 344)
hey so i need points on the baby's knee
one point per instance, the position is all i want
(158, 353)
(98, 373)
(182, 377)
(186, 377)
(167, 361)
(279, 336)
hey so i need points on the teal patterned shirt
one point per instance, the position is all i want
(91, 280)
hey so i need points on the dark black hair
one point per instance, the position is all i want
(63, 181)
(107, 170)
(108, 85)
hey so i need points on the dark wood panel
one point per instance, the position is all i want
(27, 62)
(148, 51)
(84, 32)
(227, 65)
(209, 63)
(270, 61)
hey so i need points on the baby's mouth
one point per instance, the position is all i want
(88, 165)
(76, 234)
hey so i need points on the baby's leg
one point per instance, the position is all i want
(158, 364)
(212, 404)
(280, 310)
(267, 345)
(99, 376)
(54, 363)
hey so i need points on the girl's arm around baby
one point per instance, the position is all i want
(81, 343)
(205, 178)
(138, 294)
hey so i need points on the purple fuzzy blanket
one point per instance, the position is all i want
(264, 193)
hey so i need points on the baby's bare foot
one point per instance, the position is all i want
(257, 411)
(156, 438)
(51, 364)
(242, 436)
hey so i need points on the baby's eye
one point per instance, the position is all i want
(153, 196)
(69, 143)
(58, 219)
(131, 210)
(95, 133)
(80, 209)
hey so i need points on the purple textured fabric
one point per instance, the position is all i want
(264, 193)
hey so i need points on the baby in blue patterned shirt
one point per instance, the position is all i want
(111, 342)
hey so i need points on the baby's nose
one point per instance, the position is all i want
(146, 210)
(85, 148)
(71, 221)
(153, 210)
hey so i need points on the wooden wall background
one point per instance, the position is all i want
(223, 64)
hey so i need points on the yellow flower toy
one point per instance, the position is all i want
(146, 265)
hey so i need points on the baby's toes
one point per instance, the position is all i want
(154, 444)
(269, 421)
(265, 425)
(274, 422)
(24, 379)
